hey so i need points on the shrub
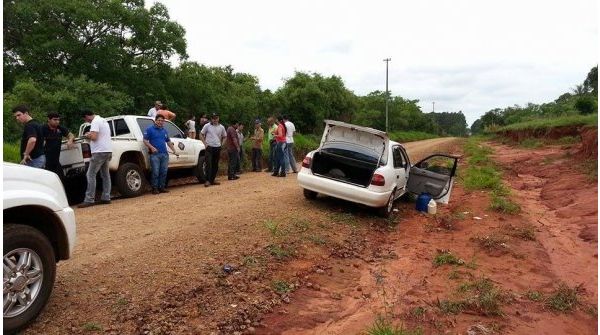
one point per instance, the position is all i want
(11, 152)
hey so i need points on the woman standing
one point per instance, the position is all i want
(191, 126)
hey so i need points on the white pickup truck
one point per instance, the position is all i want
(130, 163)
(39, 230)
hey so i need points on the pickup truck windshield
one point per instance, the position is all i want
(353, 151)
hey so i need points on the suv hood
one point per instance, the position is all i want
(341, 132)
(24, 183)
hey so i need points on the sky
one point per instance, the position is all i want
(469, 56)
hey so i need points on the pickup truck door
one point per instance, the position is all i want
(183, 145)
(433, 175)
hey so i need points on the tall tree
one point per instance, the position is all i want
(117, 42)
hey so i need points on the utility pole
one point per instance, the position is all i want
(433, 106)
(387, 96)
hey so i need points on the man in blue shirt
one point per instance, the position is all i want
(156, 139)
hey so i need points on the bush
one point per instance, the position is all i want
(587, 104)
(12, 152)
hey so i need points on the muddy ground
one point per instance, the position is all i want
(253, 256)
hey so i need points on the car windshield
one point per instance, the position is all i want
(352, 151)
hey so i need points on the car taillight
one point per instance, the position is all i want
(86, 152)
(306, 162)
(378, 180)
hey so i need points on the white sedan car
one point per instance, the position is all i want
(363, 165)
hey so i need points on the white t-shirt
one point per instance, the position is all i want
(152, 112)
(213, 134)
(191, 125)
(102, 142)
(290, 130)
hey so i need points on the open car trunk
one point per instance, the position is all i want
(342, 168)
(349, 153)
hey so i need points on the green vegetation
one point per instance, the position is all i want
(534, 295)
(92, 327)
(504, 205)
(273, 227)
(410, 136)
(445, 257)
(480, 296)
(546, 123)
(576, 108)
(482, 174)
(11, 152)
(382, 326)
(280, 252)
(281, 286)
(564, 298)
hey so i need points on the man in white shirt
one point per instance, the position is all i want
(289, 140)
(212, 134)
(152, 111)
(101, 147)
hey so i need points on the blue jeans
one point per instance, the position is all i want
(280, 158)
(271, 161)
(290, 156)
(159, 163)
(38, 162)
(98, 162)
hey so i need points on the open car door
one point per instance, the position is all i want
(433, 175)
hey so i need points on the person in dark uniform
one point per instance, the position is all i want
(53, 134)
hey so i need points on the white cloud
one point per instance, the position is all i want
(465, 55)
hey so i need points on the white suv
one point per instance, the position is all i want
(39, 231)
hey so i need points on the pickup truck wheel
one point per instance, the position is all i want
(29, 269)
(200, 169)
(310, 195)
(130, 180)
(386, 211)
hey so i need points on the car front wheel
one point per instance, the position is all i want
(29, 269)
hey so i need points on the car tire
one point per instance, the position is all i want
(130, 180)
(20, 240)
(386, 211)
(200, 169)
(310, 195)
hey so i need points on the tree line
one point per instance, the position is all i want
(114, 57)
(583, 99)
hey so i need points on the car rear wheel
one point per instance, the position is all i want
(29, 269)
(310, 195)
(386, 211)
(130, 180)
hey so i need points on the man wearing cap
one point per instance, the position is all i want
(257, 139)
(101, 147)
(53, 134)
(152, 111)
(212, 134)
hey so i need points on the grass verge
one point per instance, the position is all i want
(568, 120)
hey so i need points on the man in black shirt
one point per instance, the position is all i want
(32, 142)
(53, 134)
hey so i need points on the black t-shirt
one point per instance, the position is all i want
(33, 129)
(53, 138)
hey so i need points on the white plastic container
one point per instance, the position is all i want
(431, 207)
